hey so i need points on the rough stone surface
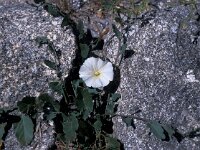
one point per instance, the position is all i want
(9, 2)
(23, 72)
(21, 59)
(161, 79)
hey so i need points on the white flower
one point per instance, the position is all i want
(96, 72)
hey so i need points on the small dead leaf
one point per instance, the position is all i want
(104, 32)
(1, 145)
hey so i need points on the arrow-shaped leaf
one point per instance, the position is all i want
(50, 64)
(26, 104)
(84, 102)
(45, 98)
(2, 129)
(52, 9)
(98, 124)
(112, 143)
(117, 32)
(70, 125)
(24, 130)
(110, 107)
(56, 87)
(123, 48)
(170, 131)
(156, 129)
(128, 121)
(66, 21)
(42, 40)
(80, 28)
(84, 50)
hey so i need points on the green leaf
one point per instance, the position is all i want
(70, 125)
(141, 7)
(92, 91)
(128, 121)
(98, 124)
(1, 111)
(84, 101)
(123, 48)
(156, 129)
(51, 48)
(108, 5)
(24, 130)
(42, 40)
(75, 84)
(86, 132)
(50, 64)
(84, 50)
(110, 108)
(56, 87)
(52, 9)
(117, 32)
(170, 131)
(2, 129)
(87, 98)
(88, 103)
(80, 28)
(66, 21)
(50, 116)
(111, 103)
(112, 143)
(115, 97)
(46, 99)
(79, 100)
(27, 104)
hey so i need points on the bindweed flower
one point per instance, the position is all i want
(96, 73)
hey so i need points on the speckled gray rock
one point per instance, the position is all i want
(162, 79)
(21, 61)
(11, 2)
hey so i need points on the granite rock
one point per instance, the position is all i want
(162, 79)
(23, 72)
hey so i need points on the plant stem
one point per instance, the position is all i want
(50, 44)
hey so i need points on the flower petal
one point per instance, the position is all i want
(108, 75)
(92, 65)
(100, 64)
(104, 80)
(85, 77)
(85, 70)
(107, 71)
(97, 83)
(85, 73)
(89, 82)
(107, 67)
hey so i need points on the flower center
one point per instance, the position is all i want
(97, 73)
